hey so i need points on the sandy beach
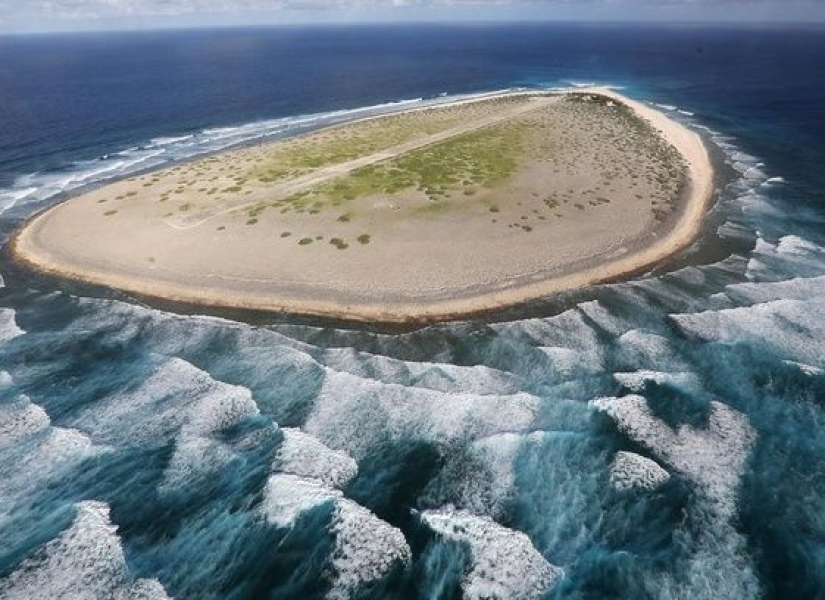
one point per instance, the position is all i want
(375, 221)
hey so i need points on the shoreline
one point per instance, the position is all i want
(515, 291)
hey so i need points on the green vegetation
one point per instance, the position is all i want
(339, 243)
(305, 241)
(301, 155)
(109, 213)
(364, 239)
(479, 158)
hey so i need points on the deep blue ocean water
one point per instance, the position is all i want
(658, 438)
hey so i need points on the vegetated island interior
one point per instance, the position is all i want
(426, 214)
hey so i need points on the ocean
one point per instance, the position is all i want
(662, 437)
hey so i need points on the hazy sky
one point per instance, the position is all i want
(46, 15)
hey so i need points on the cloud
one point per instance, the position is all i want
(146, 8)
(49, 15)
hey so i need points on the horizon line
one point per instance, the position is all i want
(446, 22)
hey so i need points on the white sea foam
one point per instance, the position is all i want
(33, 453)
(194, 461)
(45, 458)
(85, 561)
(442, 377)
(719, 568)
(570, 344)
(173, 334)
(798, 246)
(808, 370)
(635, 381)
(644, 347)
(165, 141)
(715, 134)
(791, 328)
(791, 254)
(366, 549)
(179, 398)
(759, 206)
(505, 564)
(736, 231)
(5, 380)
(630, 470)
(8, 325)
(580, 84)
(753, 173)
(176, 397)
(497, 453)
(21, 419)
(763, 247)
(304, 455)
(601, 315)
(740, 156)
(798, 288)
(353, 414)
(11, 196)
(287, 497)
(481, 479)
(711, 458)
(757, 269)
(219, 408)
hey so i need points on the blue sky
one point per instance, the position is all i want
(50, 15)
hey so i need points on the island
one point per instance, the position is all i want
(429, 214)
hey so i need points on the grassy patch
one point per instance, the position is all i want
(299, 156)
(339, 243)
(480, 158)
(305, 241)
(364, 239)
(109, 213)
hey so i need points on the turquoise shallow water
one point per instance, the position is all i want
(661, 437)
